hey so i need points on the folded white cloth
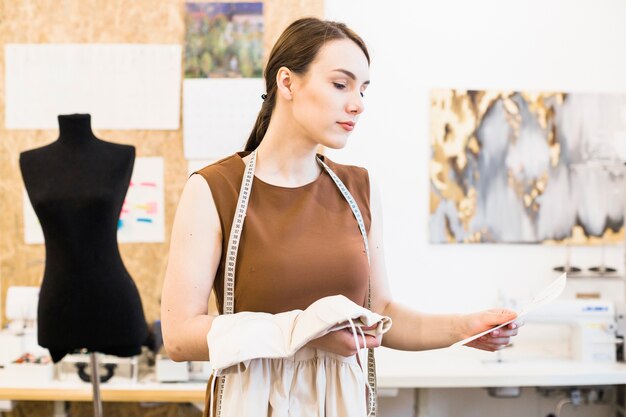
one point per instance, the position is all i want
(241, 337)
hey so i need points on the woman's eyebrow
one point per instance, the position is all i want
(350, 74)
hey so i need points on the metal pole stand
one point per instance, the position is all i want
(95, 383)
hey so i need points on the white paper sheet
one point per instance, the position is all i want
(142, 218)
(125, 86)
(218, 115)
(545, 296)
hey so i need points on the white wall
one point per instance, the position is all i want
(552, 45)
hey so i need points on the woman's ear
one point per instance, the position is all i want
(284, 83)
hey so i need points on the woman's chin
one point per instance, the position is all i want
(335, 143)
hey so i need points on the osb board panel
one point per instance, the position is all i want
(90, 21)
(31, 409)
(85, 409)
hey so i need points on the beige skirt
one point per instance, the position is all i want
(310, 383)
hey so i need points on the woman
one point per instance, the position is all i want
(301, 241)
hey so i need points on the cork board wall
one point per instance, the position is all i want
(90, 21)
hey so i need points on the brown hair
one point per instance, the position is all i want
(295, 49)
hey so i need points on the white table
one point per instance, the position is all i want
(468, 368)
(445, 368)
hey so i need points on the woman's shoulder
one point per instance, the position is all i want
(230, 167)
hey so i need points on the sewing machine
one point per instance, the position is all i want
(593, 323)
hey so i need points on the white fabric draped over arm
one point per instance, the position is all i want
(241, 337)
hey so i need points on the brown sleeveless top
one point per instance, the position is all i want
(298, 244)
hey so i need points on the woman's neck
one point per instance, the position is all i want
(75, 128)
(286, 160)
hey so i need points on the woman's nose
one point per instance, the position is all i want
(356, 105)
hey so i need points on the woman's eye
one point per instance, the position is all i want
(339, 86)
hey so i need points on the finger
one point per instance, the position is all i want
(490, 337)
(506, 333)
(371, 342)
(347, 343)
(348, 337)
(494, 339)
(362, 328)
(346, 332)
(503, 332)
(499, 341)
(493, 347)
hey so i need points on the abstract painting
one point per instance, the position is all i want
(522, 167)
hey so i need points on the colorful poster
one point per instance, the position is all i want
(224, 40)
(520, 167)
(142, 218)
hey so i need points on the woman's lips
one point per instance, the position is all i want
(348, 126)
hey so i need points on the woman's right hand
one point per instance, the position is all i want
(342, 343)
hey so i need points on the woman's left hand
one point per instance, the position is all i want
(484, 320)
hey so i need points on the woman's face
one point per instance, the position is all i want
(328, 99)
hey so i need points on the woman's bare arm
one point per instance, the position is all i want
(195, 251)
(415, 330)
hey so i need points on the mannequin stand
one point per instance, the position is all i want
(95, 383)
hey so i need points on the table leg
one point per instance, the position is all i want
(59, 409)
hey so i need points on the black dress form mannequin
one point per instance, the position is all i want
(77, 186)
